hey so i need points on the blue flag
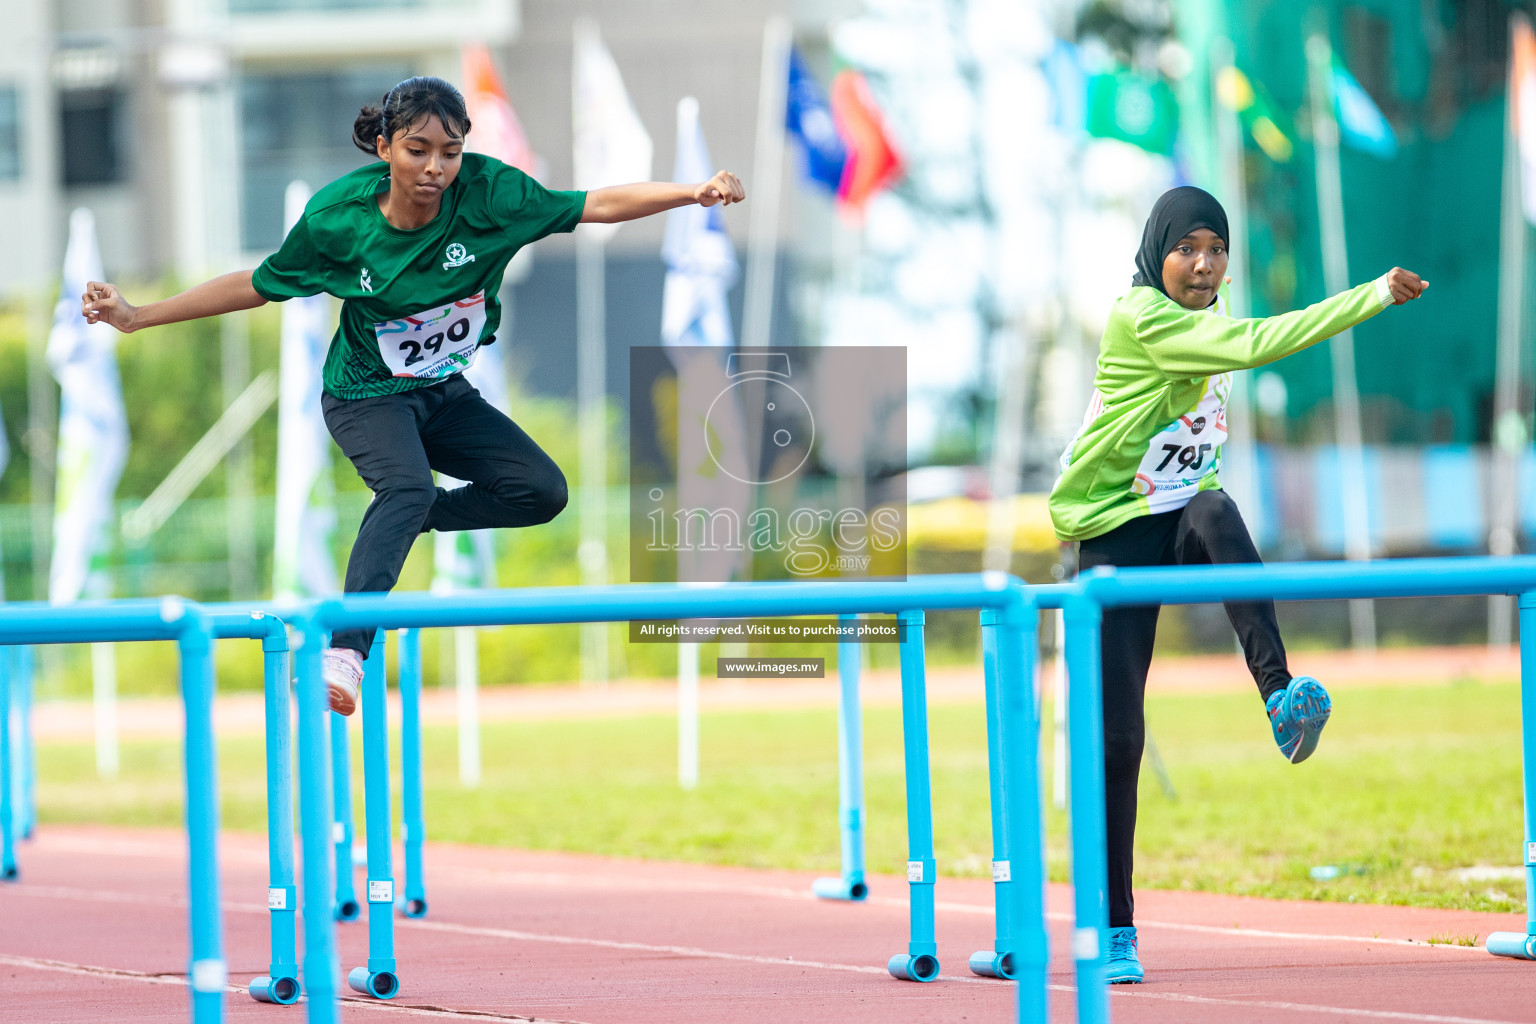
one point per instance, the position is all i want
(1361, 123)
(700, 259)
(808, 118)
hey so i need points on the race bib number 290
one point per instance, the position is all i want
(434, 342)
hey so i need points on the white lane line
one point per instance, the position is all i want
(107, 896)
(646, 947)
(146, 978)
(707, 954)
(562, 880)
(1313, 1010)
(1259, 933)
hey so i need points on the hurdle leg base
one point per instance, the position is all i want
(849, 890)
(10, 873)
(348, 910)
(413, 907)
(379, 984)
(906, 967)
(283, 991)
(991, 964)
(1518, 945)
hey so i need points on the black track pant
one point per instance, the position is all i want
(396, 441)
(1207, 530)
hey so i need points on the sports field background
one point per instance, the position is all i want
(1411, 786)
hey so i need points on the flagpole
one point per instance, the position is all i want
(466, 650)
(591, 384)
(239, 472)
(767, 185)
(688, 715)
(1241, 475)
(42, 437)
(104, 708)
(1508, 433)
(1346, 396)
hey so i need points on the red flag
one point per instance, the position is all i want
(873, 162)
(494, 127)
(1522, 106)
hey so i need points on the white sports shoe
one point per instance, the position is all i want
(342, 670)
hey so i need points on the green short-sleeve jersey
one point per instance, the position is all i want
(415, 304)
(1152, 437)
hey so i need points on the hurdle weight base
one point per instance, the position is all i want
(10, 873)
(848, 890)
(348, 910)
(414, 908)
(906, 967)
(991, 964)
(282, 991)
(1514, 944)
(380, 985)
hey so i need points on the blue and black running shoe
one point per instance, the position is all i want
(1123, 966)
(1297, 715)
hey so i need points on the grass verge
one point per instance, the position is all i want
(1407, 786)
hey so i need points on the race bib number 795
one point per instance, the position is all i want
(435, 342)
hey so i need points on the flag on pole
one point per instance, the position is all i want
(303, 563)
(496, 130)
(1522, 97)
(695, 317)
(873, 162)
(1258, 111)
(611, 145)
(1361, 123)
(93, 427)
(700, 259)
(808, 119)
(1134, 108)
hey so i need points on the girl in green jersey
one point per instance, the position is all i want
(1138, 487)
(415, 246)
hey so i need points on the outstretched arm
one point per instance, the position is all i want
(631, 202)
(103, 303)
(1185, 343)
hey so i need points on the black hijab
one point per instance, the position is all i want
(1176, 213)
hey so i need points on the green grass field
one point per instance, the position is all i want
(1408, 786)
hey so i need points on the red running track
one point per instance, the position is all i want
(96, 931)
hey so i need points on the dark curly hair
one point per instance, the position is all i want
(407, 106)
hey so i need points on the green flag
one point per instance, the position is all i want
(1258, 111)
(1134, 108)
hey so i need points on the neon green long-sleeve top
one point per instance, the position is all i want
(1151, 438)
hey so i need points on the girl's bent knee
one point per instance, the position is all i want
(550, 498)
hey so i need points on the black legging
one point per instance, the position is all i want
(396, 441)
(1207, 530)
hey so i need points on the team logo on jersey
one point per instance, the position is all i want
(365, 282)
(457, 256)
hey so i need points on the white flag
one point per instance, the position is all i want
(303, 564)
(610, 144)
(701, 261)
(695, 314)
(93, 427)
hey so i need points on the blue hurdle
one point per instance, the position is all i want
(186, 624)
(850, 885)
(413, 828)
(280, 984)
(1083, 602)
(1019, 778)
(18, 758)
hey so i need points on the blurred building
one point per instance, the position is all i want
(180, 122)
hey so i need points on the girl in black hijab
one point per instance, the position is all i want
(1139, 487)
